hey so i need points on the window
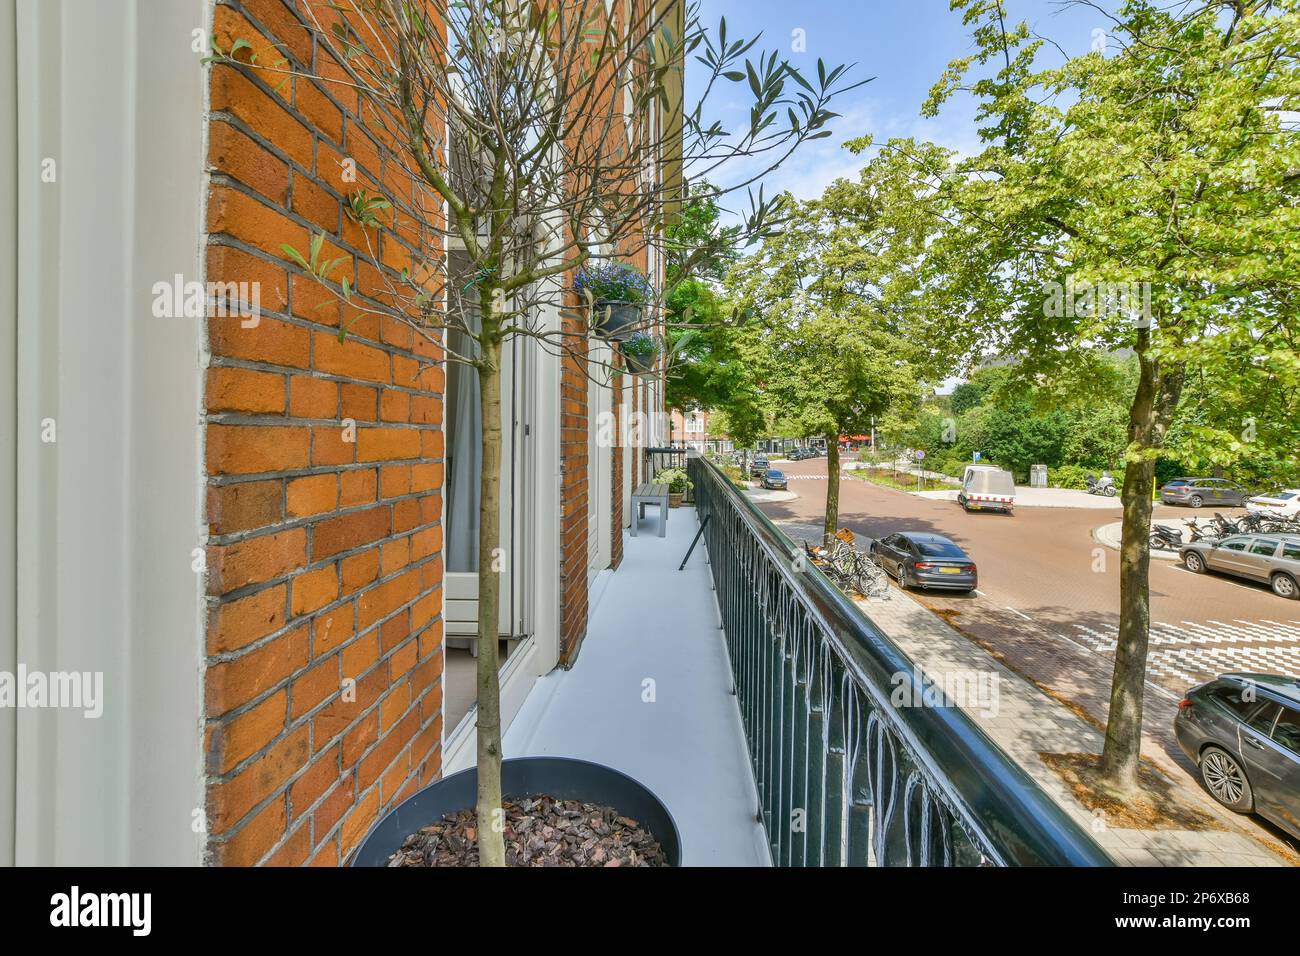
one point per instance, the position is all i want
(940, 549)
(463, 424)
(1266, 548)
(694, 423)
(1287, 731)
(1233, 698)
(1236, 544)
(1262, 717)
(1291, 551)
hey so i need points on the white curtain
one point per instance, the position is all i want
(464, 450)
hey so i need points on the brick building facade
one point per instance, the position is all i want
(691, 429)
(301, 644)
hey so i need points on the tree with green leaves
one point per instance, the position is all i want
(832, 341)
(1141, 198)
(705, 368)
(828, 373)
(530, 124)
(839, 314)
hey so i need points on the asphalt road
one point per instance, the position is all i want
(1041, 567)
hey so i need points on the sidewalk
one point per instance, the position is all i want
(1028, 722)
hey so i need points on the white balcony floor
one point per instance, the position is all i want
(651, 621)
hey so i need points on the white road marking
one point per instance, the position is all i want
(1021, 613)
(1196, 652)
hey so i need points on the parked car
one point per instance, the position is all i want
(924, 560)
(1197, 492)
(758, 467)
(1283, 504)
(1270, 558)
(1243, 731)
(774, 479)
(797, 454)
(984, 487)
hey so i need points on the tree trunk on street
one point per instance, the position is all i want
(491, 840)
(832, 489)
(1157, 396)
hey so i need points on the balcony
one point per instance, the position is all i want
(772, 739)
(652, 622)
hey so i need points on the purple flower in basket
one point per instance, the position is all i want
(614, 282)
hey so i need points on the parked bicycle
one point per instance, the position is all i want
(849, 568)
(1251, 523)
(1224, 526)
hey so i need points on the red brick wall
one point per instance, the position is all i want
(324, 559)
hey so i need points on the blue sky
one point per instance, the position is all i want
(904, 44)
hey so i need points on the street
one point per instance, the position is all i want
(1047, 605)
(1042, 568)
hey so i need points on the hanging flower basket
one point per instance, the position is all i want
(615, 321)
(617, 292)
(640, 353)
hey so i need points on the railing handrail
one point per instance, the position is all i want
(993, 794)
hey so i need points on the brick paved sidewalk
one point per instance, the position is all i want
(1029, 721)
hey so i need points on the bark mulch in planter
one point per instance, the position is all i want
(540, 831)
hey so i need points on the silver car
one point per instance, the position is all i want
(1243, 731)
(1272, 559)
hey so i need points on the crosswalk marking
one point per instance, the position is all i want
(1191, 653)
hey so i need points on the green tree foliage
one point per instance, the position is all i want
(834, 340)
(1162, 172)
(706, 369)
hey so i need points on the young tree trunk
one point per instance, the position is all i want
(1153, 406)
(832, 489)
(491, 841)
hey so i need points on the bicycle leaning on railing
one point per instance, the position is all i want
(851, 569)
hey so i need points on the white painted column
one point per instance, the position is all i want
(112, 94)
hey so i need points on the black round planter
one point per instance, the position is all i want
(615, 320)
(640, 364)
(564, 778)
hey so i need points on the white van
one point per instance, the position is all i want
(984, 487)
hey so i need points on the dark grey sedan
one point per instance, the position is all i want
(920, 559)
(1198, 492)
(1243, 731)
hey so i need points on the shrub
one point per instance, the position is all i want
(1072, 476)
(675, 479)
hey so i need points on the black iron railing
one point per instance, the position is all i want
(845, 776)
(671, 456)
